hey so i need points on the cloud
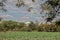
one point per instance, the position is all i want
(28, 3)
(22, 11)
(27, 19)
(4, 16)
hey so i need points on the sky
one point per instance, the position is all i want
(21, 13)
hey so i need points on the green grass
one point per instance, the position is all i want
(16, 35)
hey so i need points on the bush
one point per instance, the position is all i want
(26, 29)
(21, 26)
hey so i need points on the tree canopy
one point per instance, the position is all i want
(51, 6)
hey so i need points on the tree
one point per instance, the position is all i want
(32, 25)
(33, 0)
(1, 18)
(2, 5)
(57, 22)
(53, 8)
(19, 3)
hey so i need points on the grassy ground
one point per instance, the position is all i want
(29, 35)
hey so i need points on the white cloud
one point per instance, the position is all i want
(26, 18)
(6, 16)
(11, 7)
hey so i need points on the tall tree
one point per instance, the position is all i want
(53, 8)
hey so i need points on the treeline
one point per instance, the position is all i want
(21, 26)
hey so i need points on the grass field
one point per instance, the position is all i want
(29, 35)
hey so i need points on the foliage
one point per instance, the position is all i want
(2, 5)
(53, 8)
(21, 26)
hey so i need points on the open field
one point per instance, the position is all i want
(16, 35)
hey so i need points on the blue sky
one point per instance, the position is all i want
(21, 14)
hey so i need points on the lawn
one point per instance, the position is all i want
(17, 35)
